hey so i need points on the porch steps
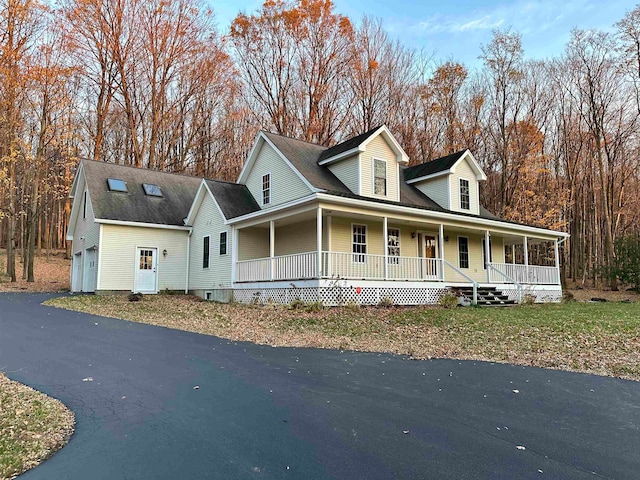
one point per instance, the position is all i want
(487, 296)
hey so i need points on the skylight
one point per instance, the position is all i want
(152, 190)
(117, 185)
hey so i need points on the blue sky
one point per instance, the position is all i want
(456, 29)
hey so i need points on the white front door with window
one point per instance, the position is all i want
(147, 270)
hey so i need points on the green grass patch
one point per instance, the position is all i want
(602, 338)
(32, 427)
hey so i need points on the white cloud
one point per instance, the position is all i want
(524, 16)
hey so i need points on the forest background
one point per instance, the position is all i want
(156, 84)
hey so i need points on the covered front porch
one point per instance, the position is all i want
(334, 244)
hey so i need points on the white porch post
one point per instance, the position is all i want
(319, 243)
(272, 248)
(329, 259)
(385, 242)
(555, 247)
(487, 254)
(526, 258)
(234, 253)
(441, 245)
(513, 253)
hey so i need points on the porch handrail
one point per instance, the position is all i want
(475, 284)
(511, 280)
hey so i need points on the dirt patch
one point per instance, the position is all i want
(51, 274)
(32, 427)
(586, 294)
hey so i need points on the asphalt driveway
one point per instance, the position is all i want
(154, 403)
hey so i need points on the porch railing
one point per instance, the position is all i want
(524, 274)
(372, 267)
(343, 265)
(282, 267)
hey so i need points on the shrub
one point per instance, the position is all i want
(353, 306)
(567, 297)
(627, 262)
(314, 307)
(448, 300)
(528, 299)
(297, 304)
(134, 297)
(386, 302)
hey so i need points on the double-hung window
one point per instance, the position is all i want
(223, 243)
(393, 245)
(379, 177)
(463, 252)
(359, 243)
(465, 202)
(205, 251)
(266, 189)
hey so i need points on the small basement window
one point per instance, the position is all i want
(117, 185)
(152, 190)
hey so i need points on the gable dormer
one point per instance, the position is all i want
(369, 164)
(451, 181)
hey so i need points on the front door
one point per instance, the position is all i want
(147, 270)
(430, 269)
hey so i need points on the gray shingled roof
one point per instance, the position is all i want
(347, 145)
(178, 192)
(304, 157)
(434, 166)
(234, 199)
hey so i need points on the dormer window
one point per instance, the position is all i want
(266, 189)
(465, 203)
(152, 190)
(379, 177)
(117, 185)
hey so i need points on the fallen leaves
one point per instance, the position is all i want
(32, 427)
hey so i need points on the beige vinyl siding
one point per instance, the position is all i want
(286, 185)
(497, 249)
(437, 189)
(348, 172)
(209, 221)
(296, 238)
(476, 268)
(119, 256)
(341, 237)
(464, 170)
(378, 148)
(253, 242)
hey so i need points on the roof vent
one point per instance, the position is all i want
(152, 190)
(117, 185)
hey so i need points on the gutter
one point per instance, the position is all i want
(186, 280)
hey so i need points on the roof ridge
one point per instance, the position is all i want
(296, 139)
(146, 169)
(220, 181)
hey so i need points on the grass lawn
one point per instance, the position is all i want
(32, 427)
(600, 338)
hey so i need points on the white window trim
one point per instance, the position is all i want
(373, 178)
(262, 189)
(460, 194)
(226, 243)
(468, 253)
(209, 260)
(366, 242)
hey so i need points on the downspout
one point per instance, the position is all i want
(186, 280)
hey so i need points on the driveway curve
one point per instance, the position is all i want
(155, 403)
